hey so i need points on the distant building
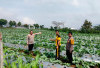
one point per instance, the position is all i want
(73, 28)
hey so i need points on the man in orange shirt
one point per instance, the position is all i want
(69, 47)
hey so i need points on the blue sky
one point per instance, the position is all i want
(72, 12)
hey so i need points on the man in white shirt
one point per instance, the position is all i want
(30, 40)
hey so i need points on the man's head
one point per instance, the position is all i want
(31, 32)
(57, 32)
(70, 34)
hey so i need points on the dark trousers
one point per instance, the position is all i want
(69, 55)
(58, 51)
(30, 47)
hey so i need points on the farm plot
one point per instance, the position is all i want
(86, 48)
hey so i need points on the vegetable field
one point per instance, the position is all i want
(86, 52)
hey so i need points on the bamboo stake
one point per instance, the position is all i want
(1, 51)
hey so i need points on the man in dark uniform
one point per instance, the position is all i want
(69, 47)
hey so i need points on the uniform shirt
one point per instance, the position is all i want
(70, 43)
(30, 39)
(58, 38)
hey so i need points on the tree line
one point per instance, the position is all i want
(87, 26)
(3, 23)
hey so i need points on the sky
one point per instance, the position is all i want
(72, 12)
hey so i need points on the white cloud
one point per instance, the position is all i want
(39, 2)
(4, 12)
(12, 15)
(27, 20)
(9, 14)
(75, 3)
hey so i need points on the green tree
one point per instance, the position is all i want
(65, 29)
(3, 22)
(26, 25)
(31, 26)
(97, 28)
(55, 28)
(12, 23)
(86, 27)
(36, 26)
(51, 28)
(41, 26)
(19, 24)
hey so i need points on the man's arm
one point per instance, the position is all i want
(37, 33)
(72, 43)
(52, 39)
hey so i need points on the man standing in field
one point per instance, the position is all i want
(30, 40)
(58, 44)
(69, 47)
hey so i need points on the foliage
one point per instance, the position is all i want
(12, 23)
(97, 28)
(51, 28)
(86, 27)
(49, 54)
(14, 59)
(36, 52)
(19, 24)
(26, 25)
(3, 22)
(36, 26)
(41, 26)
(84, 44)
